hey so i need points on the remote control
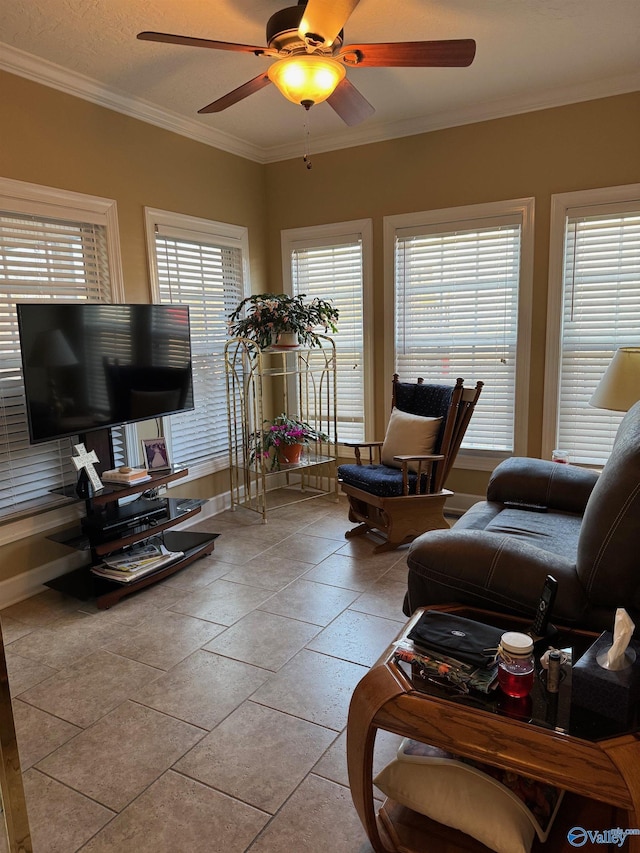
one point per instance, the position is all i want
(545, 606)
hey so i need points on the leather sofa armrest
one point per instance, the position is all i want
(527, 482)
(491, 571)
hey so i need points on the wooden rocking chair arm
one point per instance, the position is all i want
(362, 443)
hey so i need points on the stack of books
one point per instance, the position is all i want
(128, 476)
(130, 565)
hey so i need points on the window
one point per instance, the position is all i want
(594, 308)
(202, 264)
(53, 245)
(334, 262)
(462, 292)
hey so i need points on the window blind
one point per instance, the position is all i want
(40, 259)
(456, 315)
(335, 271)
(601, 312)
(209, 279)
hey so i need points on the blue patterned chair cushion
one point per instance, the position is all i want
(378, 480)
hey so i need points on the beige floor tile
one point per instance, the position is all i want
(179, 815)
(333, 764)
(398, 573)
(319, 817)
(42, 608)
(61, 820)
(331, 526)
(362, 547)
(272, 571)
(263, 639)
(38, 733)
(347, 572)
(310, 602)
(238, 549)
(165, 639)
(70, 638)
(261, 769)
(222, 602)
(122, 754)
(25, 673)
(199, 574)
(138, 606)
(384, 599)
(12, 629)
(314, 687)
(306, 549)
(356, 637)
(202, 689)
(90, 688)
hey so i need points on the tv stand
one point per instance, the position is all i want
(110, 527)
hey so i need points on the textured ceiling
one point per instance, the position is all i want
(530, 54)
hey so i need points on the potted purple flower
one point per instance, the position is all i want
(282, 440)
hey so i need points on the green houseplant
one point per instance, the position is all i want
(265, 317)
(279, 435)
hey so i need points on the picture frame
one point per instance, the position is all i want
(155, 454)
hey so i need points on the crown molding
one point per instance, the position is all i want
(78, 85)
(47, 73)
(486, 111)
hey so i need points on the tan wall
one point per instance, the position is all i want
(56, 140)
(593, 144)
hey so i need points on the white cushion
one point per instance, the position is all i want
(451, 795)
(408, 435)
(486, 802)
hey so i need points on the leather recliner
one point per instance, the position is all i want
(543, 518)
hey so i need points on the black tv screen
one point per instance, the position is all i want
(90, 366)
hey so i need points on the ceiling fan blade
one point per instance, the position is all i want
(238, 94)
(425, 54)
(349, 103)
(323, 19)
(189, 41)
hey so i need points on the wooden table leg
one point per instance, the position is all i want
(377, 687)
(625, 754)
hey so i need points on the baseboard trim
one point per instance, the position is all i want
(459, 503)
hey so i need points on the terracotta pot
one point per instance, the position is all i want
(289, 454)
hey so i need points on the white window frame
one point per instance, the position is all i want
(321, 235)
(208, 231)
(468, 216)
(35, 200)
(563, 205)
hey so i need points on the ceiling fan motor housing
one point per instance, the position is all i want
(282, 30)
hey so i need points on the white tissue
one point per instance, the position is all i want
(617, 657)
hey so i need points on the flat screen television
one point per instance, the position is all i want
(90, 366)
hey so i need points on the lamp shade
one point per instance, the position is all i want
(306, 79)
(619, 388)
(52, 349)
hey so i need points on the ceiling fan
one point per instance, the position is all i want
(307, 42)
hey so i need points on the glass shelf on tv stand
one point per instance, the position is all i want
(83, 584)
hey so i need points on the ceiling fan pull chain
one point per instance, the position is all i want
(307, 140)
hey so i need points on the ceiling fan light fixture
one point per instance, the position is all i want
(306, 79)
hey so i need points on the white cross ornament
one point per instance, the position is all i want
(85, 460)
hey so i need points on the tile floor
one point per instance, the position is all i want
(207, 713)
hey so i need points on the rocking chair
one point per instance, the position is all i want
(399, 494)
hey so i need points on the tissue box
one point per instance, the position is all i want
(613, 694)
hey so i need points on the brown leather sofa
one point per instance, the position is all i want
(543, 518)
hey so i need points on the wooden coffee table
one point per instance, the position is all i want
(605, 770)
